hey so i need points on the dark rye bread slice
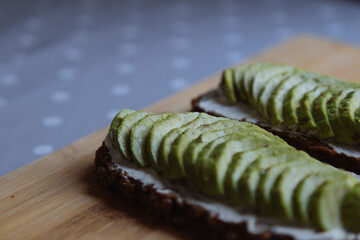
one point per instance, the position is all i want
(310, 144)
(179, 211)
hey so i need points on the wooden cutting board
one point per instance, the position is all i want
(57, 197)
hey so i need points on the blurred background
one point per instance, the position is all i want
(67, 67)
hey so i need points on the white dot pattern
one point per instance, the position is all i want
(179, 83)
(335, 29)
(60, 96)
(43, 149)
(181, 43)
(9, 80)
(233, 39)
(67, 73)
(180, 63)
(73, 54)
(125, 68)
(128, 49)
(52, 121)
(120, 90)
(131, 31)
(27, 41)
(3, 102)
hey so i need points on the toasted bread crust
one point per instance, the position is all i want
(309, 144)
(194, 219)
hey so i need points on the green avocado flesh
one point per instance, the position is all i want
(138, 134)
(244, 164)
(115, 125)
(297, 99)
(123, 132)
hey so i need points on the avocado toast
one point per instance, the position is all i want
(312, 112)
(222, 165)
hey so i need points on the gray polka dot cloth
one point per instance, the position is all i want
(67, 67)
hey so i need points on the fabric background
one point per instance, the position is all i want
(67, 67)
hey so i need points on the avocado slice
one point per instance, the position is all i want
(227, 85)
(123, 132)
(262, 77)
(181, 143)
(138, 135)
(285, 184)
(267, 91)
(267, 181)
(194, 148)
(249, 76)
(350, 210)
(159, 131)
(319, 113)
(324, 209)
(306, 188)
(239, 73)
(333, 113)
(239, 163)
(292, 101)
(204, 157)
(171, 168)
(249, 181)
(213, 170)
(347, 109)
(276, 100)
(115, 125)
(304, 111)
(191, 154)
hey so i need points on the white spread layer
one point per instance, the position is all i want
(217, 104)
(219, 207)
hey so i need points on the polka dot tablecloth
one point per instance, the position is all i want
(67, 67)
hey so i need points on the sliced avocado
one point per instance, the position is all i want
(181, 144)
(324, 209)
(138, 135)
(159, 131)
(123, 132)
(319, 113)
(239, 73)
(347, 109)
(171, 168)
(350, 210)
(213, 170)
(267, 181)
(212, 160)
(306, 188)
(249, 76)
(115, 124)
(357, 118)
(292, 101)
(240, 161)
(191, 154)
(204, 157)
(285, 184)
(276, 100)
(304, 111)
(267, 91)
(262, 77)
(227, 85)
(249, 181)
(333, 113)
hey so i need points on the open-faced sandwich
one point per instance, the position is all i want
(221, 178)
(315, 113)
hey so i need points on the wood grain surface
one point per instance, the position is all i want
(57, 197)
